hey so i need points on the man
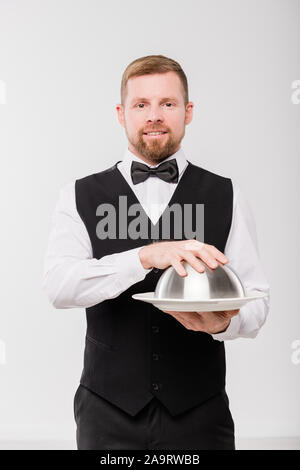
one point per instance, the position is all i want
(152, 379)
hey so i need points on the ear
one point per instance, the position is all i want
(189, 112)
(120, 111)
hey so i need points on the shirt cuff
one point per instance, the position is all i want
(130, 264)
(232, 330)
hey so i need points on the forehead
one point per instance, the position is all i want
(153, 86)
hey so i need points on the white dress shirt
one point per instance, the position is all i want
(73, 278)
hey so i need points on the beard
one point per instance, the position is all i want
(156, 150)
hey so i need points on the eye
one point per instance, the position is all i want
(143, 104)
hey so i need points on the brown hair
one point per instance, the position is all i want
(153, 64)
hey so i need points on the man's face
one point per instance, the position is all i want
(154, 103)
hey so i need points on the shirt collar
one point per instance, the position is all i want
(128, 157)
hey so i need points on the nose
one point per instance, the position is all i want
(155, 114)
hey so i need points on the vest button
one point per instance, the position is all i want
(155, 357)
(155, 270)
(155, 386)
(155, 329)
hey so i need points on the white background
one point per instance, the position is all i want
(61, 64)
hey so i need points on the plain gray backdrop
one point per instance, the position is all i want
(61, 64)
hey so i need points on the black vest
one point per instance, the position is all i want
(134, 351)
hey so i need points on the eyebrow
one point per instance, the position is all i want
(162, 99)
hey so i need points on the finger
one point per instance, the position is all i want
(208, 317)
(193, 261)
(182, 318)
(193, 319)
(226, 313)
(231, 313)
(209, 259)
(203, 316)
(217, 253)
(183, 321)
(175, 314)
(179, 268)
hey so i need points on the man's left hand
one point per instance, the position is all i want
(208, 322)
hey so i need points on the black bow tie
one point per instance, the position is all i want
(167, 171)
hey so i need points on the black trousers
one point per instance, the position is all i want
(102, 425)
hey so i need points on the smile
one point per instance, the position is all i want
(155, 134)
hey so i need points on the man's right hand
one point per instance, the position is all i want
(170, 253)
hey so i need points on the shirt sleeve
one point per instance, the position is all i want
(71, 276)
(243, 253)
